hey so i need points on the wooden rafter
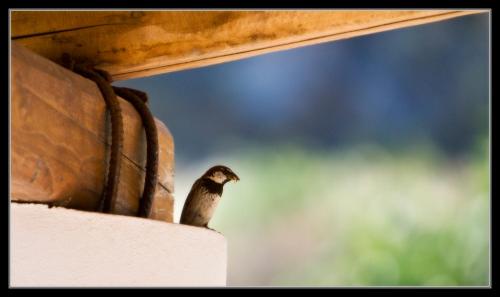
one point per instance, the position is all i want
(59, 142)
(131, 44)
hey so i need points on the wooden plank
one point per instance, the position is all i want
(59, 141)
(131, 44)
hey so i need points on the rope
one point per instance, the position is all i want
(138, 99)
(111, 186)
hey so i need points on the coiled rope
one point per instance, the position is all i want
(139, 100)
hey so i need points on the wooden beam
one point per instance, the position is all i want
(59, 141)
(131, 44)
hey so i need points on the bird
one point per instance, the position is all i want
(205, 195)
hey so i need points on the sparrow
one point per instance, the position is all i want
(205, 195)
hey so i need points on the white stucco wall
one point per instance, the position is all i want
(61, 247)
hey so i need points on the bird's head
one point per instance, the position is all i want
(221, 174)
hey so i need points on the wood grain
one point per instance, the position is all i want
(131, 44)
(59, 141)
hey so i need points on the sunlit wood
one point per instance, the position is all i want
(131, 44)
(58, 142)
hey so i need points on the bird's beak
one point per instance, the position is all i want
(234, 177)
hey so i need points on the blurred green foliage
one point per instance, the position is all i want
(329, 209)
(365, 216)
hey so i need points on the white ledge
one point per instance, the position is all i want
(60, 247)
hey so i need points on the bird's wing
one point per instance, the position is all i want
(195, 191)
